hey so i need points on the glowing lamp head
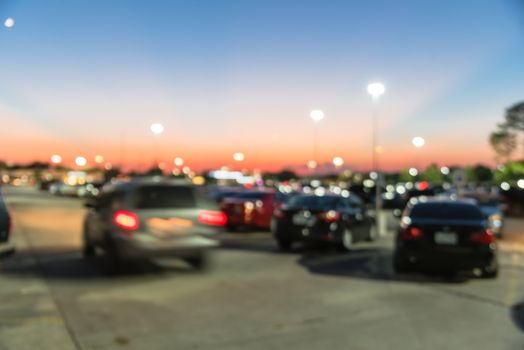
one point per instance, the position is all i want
(376, 90)
(178, 161)
(312, 164)
(413, 172)
(80, 161)
(157, 128)
(317, 115)
(418, 142)
(338, 161)
(238, 156)
(99, 159)
(56, 159)
(9, 22)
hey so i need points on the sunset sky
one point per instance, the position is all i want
(89, 77)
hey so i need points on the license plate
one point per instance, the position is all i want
(448, 238)
(169, 227)
(302, 219)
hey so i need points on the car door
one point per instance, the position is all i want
(101, 216)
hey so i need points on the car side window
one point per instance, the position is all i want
(111, 200)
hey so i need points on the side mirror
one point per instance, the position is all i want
(91, 203)
(397, 213)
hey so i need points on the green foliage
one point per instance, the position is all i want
(432, 175)
(404, 176)
(511, 171)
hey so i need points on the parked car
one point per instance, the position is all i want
(492, 211)
(330, 218)
(252, 208)
(149, 218)
(5, 229)
(442, 234)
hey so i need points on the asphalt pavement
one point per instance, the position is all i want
(252, 297)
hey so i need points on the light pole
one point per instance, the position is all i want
(316, 115)
(157, 129)
(376, 90)
(9, 22)
(80, 161)
(338, 162)
(239, 158)
(418, 142)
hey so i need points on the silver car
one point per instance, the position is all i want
(151, 218)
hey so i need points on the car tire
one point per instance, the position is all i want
(373, 233)
(88, 249)
(347, 240)
(284, 245)
(401, 266)
(489, 272)
(199, 262)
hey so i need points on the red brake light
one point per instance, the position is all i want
(126, 220)
(485, 237)
(410, 233)
(213, 218)
(329, 216)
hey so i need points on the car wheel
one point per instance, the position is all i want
(490, 271)
(373, 233)
(199, 262)
(284, 245)
(347, 239)
(88, 250)
(401, 266)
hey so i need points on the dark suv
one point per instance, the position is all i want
(150, 218)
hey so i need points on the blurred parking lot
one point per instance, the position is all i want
(252, 294)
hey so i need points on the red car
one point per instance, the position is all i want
(252, 208)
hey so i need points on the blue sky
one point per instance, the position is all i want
(243, 75)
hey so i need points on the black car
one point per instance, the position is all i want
(329, 218)
(441, 234)
(149, 218)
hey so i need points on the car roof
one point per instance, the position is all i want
(145, 181)
(446, 200)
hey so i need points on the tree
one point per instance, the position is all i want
(405, 176)
(503, 143)
(433, 174)
(514, 119)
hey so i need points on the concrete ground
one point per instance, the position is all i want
(254, 297)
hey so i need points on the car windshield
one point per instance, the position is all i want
(164, 197)
(314, 202)
(450, 211)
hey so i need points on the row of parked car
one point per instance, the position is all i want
(148, 218)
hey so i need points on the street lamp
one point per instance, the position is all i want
(178, 161)
(157, 129)
(338, 162)
(81, 161)
(376, 90)
(9, 22)
(316, 115)
(56, 159)
(418, 142)
(99, 159)
(238, 156)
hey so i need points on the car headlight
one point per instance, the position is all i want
(496, 220)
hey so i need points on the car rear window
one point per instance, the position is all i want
(314, 202)
(164, 197)
(250, 195)
(452, 211)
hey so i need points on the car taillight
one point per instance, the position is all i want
(213, 218)
(484, 237)
(329, 216)
(411, 233)
(126, 220)
(278, 213)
